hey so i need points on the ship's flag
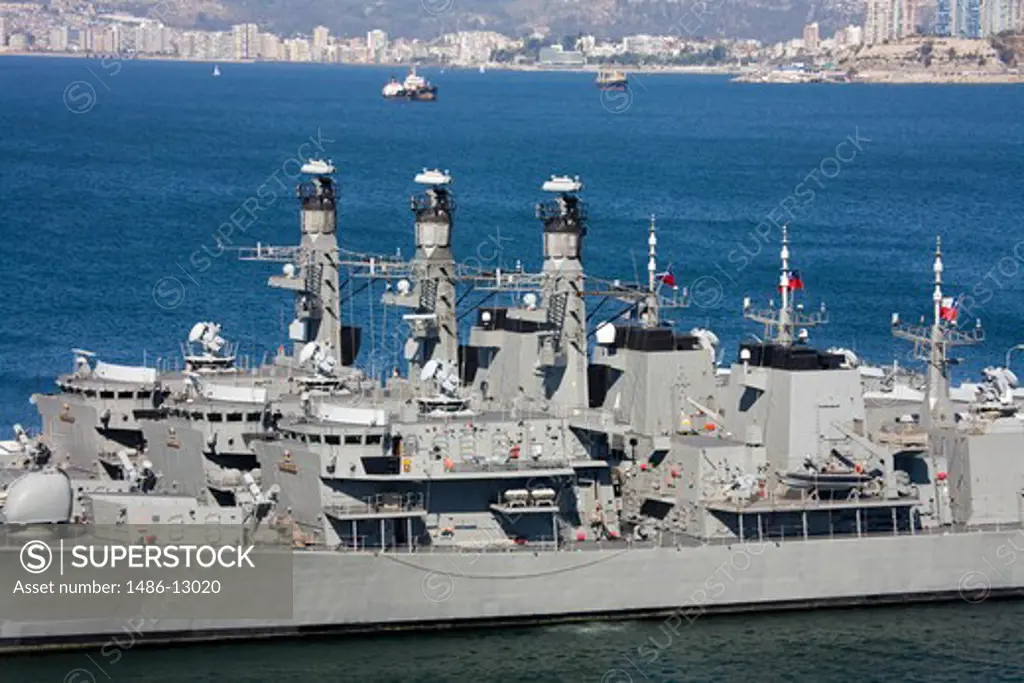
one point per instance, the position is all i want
(795, 281)
(667, 278)
(948, 309)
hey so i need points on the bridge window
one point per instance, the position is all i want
(145, 394)
(234, 417)
(126, 394)
(197, 416)
(314, 438)
(253, 417)
(374, 439)
(106, 394)
(215, 417)
(332, 439)
(90, 392)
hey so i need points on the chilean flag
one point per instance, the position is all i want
(948, 309)
(795, 281)
(667, 278)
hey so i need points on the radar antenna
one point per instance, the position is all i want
(932, 343)
(318, 357)
(654, 302)
(215, 353)
(779, 324)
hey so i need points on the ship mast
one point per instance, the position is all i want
(433, 325)
(311, 269)
(565, 225)
(932, 344)
(779, 324)
(651, 304)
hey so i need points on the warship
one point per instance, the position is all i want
(539, 463)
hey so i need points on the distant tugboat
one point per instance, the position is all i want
(414, 88)
(611, 80)
(216, 70)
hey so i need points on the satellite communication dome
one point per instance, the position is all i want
(530, 300)
(605, 333)
(289, 270)
(42, 497)
(404, 286)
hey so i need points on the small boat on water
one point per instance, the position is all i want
(611, 80)
(414, 87)
(216, 70)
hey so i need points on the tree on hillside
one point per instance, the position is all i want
(926, 52)
(1007, 55)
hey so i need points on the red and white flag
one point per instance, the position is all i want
(948, 309)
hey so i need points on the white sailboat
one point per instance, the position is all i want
(216, 70)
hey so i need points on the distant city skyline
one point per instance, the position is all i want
(25, 27)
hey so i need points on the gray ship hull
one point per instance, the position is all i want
(365, 592)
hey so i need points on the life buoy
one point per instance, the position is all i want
(514, 451)
(858, 468)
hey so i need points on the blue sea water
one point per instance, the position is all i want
(117, 176)
(115, 179)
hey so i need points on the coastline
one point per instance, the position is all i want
(884, 78)
(587, 68)
(891, 77)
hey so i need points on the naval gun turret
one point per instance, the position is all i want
(38, 497)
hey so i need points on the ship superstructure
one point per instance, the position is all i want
(414, 87)
(612, 80)
(583, 459)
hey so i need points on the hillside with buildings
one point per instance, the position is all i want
(927, 60)
(887, 40)
(765, 20)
